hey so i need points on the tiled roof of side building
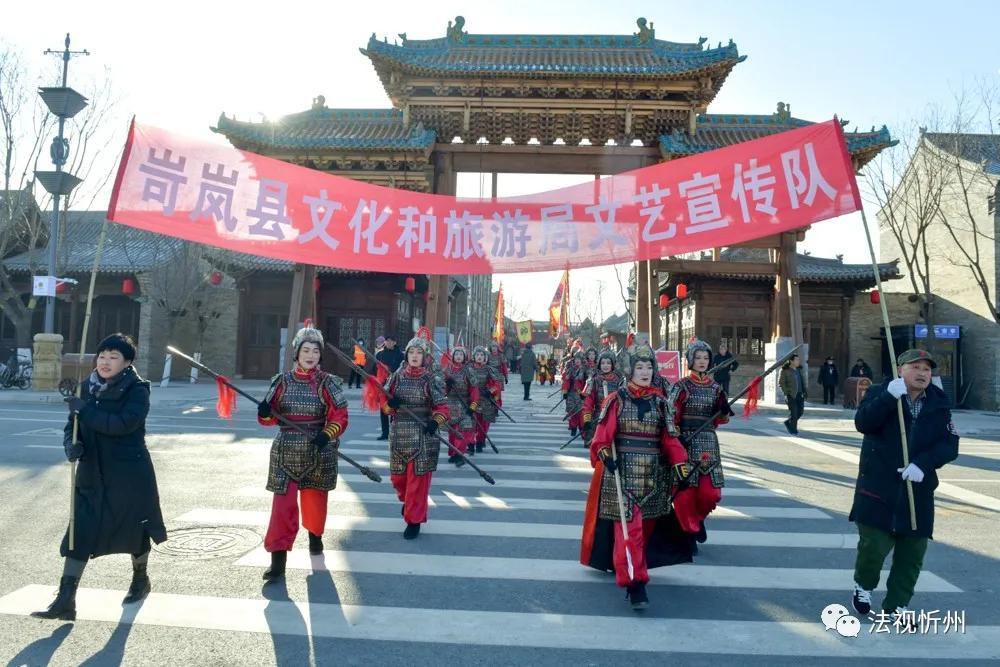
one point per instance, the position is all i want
(322, 127)
(720, 130)
(583, 55)
(983, 149)
(811, 269)
(129, 251)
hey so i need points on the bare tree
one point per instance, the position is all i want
(970, 161)
(26, 126)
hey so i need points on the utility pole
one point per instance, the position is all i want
(62, 102)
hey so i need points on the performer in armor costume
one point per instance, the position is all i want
(604, 382)
(488, 383)
(574, 379)
(695, 398)
(303, 467)
(463, 401)
(498, 361)
(638, 421)
(413, 441)
(590, 363)
(543, 369)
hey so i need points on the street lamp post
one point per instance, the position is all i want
(62, 102)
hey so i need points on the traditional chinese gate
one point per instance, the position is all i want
(548, 104)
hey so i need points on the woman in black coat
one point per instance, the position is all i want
(117, 506)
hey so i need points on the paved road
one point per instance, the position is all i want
(493, 578)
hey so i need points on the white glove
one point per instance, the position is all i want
(897, 387)
(911, 473)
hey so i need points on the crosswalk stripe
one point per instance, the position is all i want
(542, 569)
(543, 470)
(449, 499)
(470, 478)
(540, 630)
(555, 531)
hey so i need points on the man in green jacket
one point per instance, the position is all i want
(793, 385)
(881, 508)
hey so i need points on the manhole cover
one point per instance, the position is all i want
(205, 543)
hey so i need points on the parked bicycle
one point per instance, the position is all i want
(15, 373)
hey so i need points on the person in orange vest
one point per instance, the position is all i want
(359, 360)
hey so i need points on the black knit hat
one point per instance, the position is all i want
(118, 342)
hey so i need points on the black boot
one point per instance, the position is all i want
(277, 569)
(480, 445)
(315, 544)
(701, 535)
(572, 432)
(64, 606)
(140, 586)
(636, 594)
(411, 532)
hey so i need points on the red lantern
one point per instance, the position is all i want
(61, 287)
(410, 284)
(215, 278)
(128, 287)
(682, 291)
(875, 296)
(664, 301)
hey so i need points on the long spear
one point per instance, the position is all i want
(708, 422)
(79, 375)
(367, 472)
(499, 409)
(892, 354)
(368, 378)
(621, 515)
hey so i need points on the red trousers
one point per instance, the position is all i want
(460, 439)
(284, 523)
(638, 531)
(576, 421)
(412, 490)
(695, 504)
(482, 428)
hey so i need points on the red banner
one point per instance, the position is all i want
(218, 195)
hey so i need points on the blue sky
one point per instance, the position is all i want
(180, 64)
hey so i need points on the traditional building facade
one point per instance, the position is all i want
(488, 103)
(958, 174)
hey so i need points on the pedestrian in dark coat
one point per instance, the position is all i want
(862, 370)
(528, 365)
(117, 505)
(829, 378)
(722, 376)
(881, 508)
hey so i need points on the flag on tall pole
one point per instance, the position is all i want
(498, 333)
(559, 310)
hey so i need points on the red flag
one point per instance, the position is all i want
(559, 310)
(498, 333)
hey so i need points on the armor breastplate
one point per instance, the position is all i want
(480, 375)
(703, 450)
(407, 440)
(293, 456)
(459, 398)
(644, 479)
